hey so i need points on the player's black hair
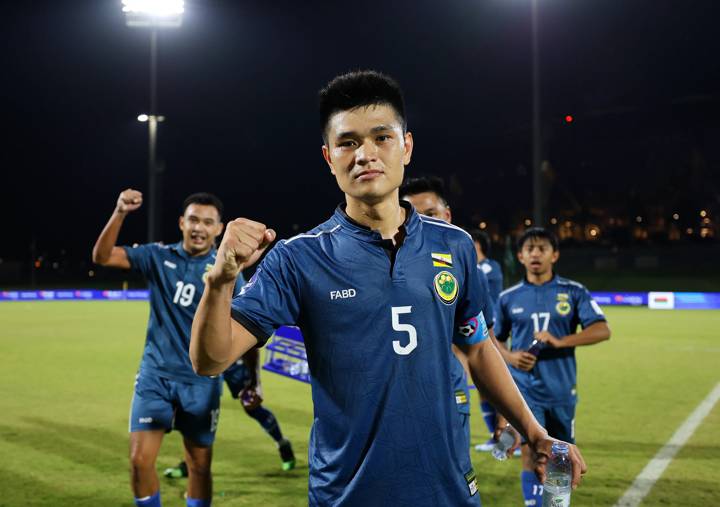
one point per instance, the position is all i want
(205, 198)
(357, 89)
(538, 233)
(482, 238)
(414, 186)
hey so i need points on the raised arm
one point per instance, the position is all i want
(105, 253)
(216, 339)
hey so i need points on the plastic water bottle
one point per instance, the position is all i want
(535, 347)
(504, 443)
(557, 487)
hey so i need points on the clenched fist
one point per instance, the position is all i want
(129, 200)
(242, 245)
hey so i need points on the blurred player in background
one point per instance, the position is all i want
(168, 394)
(493, 272)
(243, 381)
(541, 315)
(427, 195)
(378, 318)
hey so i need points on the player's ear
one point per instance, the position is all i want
(181, 222)
(448, 214)
(409, 143)
(326, 156)
(555, 256)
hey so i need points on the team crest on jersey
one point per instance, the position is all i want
(446, 287)
(442, 260)
(563, 308)
(208, 267)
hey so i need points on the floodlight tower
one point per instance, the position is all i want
(153, 15)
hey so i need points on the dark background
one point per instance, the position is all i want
(238, 84)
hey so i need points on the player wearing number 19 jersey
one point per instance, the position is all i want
(168, 394)
(542, 314)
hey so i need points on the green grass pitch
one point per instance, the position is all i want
(68, 369)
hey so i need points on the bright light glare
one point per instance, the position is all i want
(143, 117)
(155, 8)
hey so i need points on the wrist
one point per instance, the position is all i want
(536, 434)
(219, 282)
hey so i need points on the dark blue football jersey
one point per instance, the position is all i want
(558, 307)
(492, 270)
(378, 326)
(176, 281)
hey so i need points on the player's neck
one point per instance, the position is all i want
(540, 278)
(385, 216)
(196, 253)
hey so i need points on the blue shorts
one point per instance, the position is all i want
(558, 420)
(237, 378)
(163, 404)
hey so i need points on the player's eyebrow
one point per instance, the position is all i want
(374, 130)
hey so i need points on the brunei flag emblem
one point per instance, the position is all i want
(442, 260)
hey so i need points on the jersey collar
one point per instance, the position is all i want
(178, 248)
(550, 282)
(412, 224)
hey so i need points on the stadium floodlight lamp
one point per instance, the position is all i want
(153, 13)
(143, 117)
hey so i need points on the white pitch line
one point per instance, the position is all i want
(654, 469)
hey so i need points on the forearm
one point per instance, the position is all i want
(493, 379)
(108, 238)
(592, 334)
(502, 348)
(211, 340)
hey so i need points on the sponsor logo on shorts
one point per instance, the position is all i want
(145, 420)
(471, 482)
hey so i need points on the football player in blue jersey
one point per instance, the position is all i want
(243, 382)
(492, 270)
(541, 315)
(427, 195)
(378, 317)
(168, 393)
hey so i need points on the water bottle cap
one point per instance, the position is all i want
(560, 448)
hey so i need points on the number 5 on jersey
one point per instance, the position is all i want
(403, 350)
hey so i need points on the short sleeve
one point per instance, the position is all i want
(588, 311)
(502, 322)
(470, 325)
(141, 257)
(270, 298)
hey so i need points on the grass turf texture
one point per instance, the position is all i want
(68, 370)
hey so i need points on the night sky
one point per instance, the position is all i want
(238, 84)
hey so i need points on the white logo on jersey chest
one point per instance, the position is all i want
(517, 309)
(169, 264)
(342, 294)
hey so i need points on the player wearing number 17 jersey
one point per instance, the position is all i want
(377, 315)
(168, 394)
(542, 314)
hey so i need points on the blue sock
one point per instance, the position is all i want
(267, 421)
(531, 488)
(198, 502)
(489, 415)
(149, 501)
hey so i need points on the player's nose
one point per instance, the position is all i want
(366, 152)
